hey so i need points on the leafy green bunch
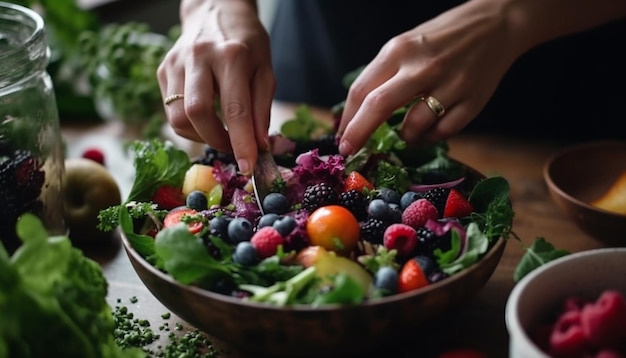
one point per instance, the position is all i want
(53, 300)
(121, 61)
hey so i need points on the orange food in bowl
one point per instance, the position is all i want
(334, 228)
(615, 198)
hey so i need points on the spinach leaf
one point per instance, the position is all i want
(539, 253)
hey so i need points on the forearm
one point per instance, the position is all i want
(533, 22)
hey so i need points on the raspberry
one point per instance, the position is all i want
(94, 154)
(438, 197)
(567, 338)
(604, 322)
(400, 237)
(266, 241)
(318, 195)
(416, 214)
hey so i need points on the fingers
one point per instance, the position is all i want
(263, 89)
(234, 81)
(369, 105)
(199, 107)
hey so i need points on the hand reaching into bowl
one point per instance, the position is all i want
(453, 63)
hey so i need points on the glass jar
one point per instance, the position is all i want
(31, 149)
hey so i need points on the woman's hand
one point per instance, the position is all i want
(222, 56)
(458, 58)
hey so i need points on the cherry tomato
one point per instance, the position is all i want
(334, 228)
(175, 216)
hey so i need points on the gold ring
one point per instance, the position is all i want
(172, 98)
(435, 106)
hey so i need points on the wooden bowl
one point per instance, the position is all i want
(578, 175)
(302, 331)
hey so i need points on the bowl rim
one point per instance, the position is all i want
(495, 248)
(511, 316)
(552, 185)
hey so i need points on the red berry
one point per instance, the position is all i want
(266, 241)
(356, 181)
(400, 237)
(411, 277)
(604, 322)
(168, 197)
(418, 213)
(176, 216)
(607, 353)
(567, 338)
(94, 154)
(457, 205)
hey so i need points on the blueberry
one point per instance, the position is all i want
(218, 226)
(378, 209)
(386, 279)
(276, 203)
(197, 200)
(239, 229)
(407, 198)
(389, 195)
(245, 254)
(427, 264)
(395, 213)
(267, 220)
(285, 225)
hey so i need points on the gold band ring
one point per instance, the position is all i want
(172, 98)
(435, 106)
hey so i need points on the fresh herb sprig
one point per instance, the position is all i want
(121, 61)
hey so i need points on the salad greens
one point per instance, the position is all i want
(183, 255)
(53, 300)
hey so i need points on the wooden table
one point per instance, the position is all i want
(479, 323)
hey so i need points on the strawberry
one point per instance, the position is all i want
(411, 277)
(168, 197)
(266, 241)
(457, 205)
(94, 154)
(176, 216)
(418, 213)
(400, 237)
(604, 322)
(356, 181)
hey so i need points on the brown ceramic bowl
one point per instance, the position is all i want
(578, 175)
(302, 331)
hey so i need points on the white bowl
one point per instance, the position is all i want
(542, 292)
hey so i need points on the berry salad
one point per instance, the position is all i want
(335, 230)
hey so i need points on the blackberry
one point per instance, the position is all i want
(428, 241)
(438, 197)
(355, 201)
(21, 182)
(372, 230)
(318, 195)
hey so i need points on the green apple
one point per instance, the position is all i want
(89, 188)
